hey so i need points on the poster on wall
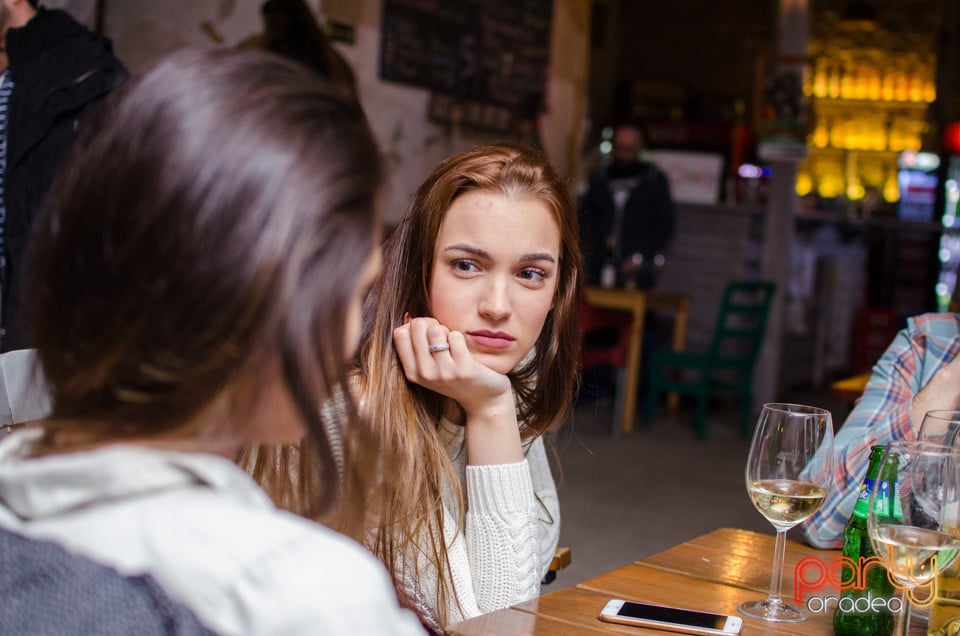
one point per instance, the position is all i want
(694, 177)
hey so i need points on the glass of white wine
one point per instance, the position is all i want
(912, 518)
(789, 471)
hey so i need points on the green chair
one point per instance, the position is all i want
(727, 366)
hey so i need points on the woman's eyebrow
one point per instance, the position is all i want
(469, 249)
(539, 256)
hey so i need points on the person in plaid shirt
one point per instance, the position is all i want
(919, 372)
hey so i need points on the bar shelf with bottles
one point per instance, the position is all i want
(865, 113)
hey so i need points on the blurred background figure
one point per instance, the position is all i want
(626, 216)
(57, 70)
(626, 221)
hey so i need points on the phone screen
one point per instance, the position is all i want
(672, 615)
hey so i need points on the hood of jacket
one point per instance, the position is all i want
(50, 29)
(41, 488)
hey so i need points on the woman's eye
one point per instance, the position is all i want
(533, 275)
(464, 266)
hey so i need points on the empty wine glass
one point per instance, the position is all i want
(940, 427)
(912, 517)
(789, 471)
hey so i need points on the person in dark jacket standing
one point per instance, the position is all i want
(57, 70)
(626, 215)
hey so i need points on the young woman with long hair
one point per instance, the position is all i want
(468, 357)
(196, 283)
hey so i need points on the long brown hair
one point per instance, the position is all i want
(406, 415)
(204, 239)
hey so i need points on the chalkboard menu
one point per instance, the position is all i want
(489, 51)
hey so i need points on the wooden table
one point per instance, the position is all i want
(637, 302)
(714, 573)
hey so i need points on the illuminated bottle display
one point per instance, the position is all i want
(868, 103)
(858, 613)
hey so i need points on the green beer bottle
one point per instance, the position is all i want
(857, 612)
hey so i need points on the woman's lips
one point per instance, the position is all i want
(491, 340)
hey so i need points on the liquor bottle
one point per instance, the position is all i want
(857, 612)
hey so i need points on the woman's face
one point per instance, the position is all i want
(495, 267)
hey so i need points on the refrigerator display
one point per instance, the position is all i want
(950, 239)
(917, 179)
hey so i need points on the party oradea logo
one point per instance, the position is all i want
(915, 577)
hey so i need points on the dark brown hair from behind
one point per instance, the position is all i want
(210, 226)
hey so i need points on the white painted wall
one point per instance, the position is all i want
(143, 30)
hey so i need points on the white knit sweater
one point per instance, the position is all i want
(512, 528)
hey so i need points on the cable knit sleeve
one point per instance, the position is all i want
(512, 527)
(502, 540)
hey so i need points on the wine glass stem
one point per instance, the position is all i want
(903, 624)
(776, 577)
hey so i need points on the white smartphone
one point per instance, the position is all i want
(671, 619)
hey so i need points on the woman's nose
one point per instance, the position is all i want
(495, 301)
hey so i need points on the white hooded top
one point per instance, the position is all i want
(206, 532)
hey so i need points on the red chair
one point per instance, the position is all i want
(591, 319)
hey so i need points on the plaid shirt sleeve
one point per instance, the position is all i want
(881, 415)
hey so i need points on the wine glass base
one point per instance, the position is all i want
(773, 611)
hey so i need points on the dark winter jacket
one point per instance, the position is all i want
(648, 215)
(59, 70)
